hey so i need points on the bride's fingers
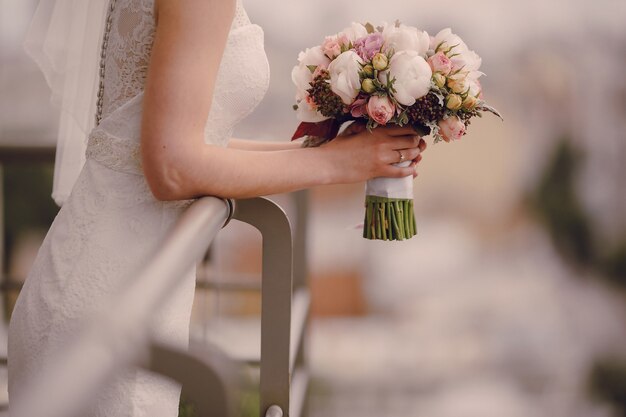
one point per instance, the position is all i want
(422, 145)
(353, 129)
(404, 142)
(401, 155)
(392, 171)
(393, 130)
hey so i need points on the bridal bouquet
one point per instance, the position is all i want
(391, 74)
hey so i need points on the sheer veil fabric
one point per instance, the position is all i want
(64, 40)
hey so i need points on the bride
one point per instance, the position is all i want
(175, 77)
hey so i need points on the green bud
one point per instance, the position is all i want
(380, 61)
(454, 101)
(368, 71)
(368, 85)
(439, 79)
(470, 102)
(457, 85)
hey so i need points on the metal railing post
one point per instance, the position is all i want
(207, 375)
(276, 292)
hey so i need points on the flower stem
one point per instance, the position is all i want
(388, 219)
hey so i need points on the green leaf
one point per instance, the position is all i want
(457, 71)
(452, 47)
(371, 124)
(312, 68)
(403, 118)
(369, 27)
(491, 110)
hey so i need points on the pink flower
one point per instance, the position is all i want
(369, 45)
(359, 107)
(332, 45)
(380, 109)
(440, 63)
(319, 69)
(451, 128)
(309, 100)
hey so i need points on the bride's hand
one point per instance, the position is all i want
(361, 155)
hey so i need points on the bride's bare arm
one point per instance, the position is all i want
(262, 145)
(189, 42)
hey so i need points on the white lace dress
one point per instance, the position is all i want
(111, 221)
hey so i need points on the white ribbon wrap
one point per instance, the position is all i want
(401, 188)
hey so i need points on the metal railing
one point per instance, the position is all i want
(117, 338)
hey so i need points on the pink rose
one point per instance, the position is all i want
(369, 45)
(359, 107)
(440, 63)
(332, 45)
(380, 109)
(451, 128)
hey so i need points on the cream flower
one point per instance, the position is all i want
(412, 76)
(344, 76)
(406, 38)
(306, 111)
(354, 31)
(446, 40)
(467, 62)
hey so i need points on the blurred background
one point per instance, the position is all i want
(510, 300)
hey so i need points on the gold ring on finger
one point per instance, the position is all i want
(402, 157)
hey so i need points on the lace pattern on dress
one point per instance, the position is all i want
(118, 154)
(128, 52)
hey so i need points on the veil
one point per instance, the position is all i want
(64, 39)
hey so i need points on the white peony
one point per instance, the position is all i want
(463, 60)
(475, 89)
(306, 113)
(354, 31)
(467, 62)
(313, 56)
(412, 74)
(302, 78)
(445, 40)
(403, 38)
(301, 75)
(344, 76)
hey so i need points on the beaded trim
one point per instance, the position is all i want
(105, 43)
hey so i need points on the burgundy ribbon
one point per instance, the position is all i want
(328, 129)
